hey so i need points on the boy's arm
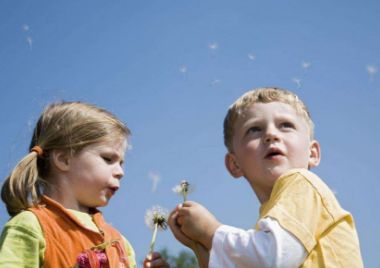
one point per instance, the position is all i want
(270, 246)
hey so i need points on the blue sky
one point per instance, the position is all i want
(170, 69)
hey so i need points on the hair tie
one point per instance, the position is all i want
(38, 150)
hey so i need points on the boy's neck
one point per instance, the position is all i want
(262, 194)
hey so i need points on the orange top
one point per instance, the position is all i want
(66, 237)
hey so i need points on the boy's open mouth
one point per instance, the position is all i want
(273, 153)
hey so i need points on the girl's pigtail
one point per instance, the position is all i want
(21, 188)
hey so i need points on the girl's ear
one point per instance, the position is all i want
(315, 154)
(60, 159)
(232, 165)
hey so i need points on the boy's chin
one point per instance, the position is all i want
(275, 172)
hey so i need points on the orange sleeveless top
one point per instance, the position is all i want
(66, 237)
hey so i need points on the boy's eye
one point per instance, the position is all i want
(287, 125)
(253, 129)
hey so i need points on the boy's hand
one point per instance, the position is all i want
(199, 250)
(197, 223)
(155, 260)
(176, 230)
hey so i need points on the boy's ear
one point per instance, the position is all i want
(232, 166)
(60, 159)
(315, 154)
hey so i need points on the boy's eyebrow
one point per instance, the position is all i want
(252, 121)
(286, 116)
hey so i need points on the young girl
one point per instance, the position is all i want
(74, 165)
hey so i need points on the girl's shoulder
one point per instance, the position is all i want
(26, 221)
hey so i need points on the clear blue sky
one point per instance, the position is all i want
(171, 68)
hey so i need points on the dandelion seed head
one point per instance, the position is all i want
(157, 215)
(177, 189)
(183, 188)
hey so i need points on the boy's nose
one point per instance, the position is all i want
(271, 135)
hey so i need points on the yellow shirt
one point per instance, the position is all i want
(22, 243)
(304, 205)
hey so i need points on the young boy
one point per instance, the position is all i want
(269, 136)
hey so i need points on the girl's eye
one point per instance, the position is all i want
(107, 159)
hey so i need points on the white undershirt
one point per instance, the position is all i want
(270, 246)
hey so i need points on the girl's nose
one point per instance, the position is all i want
(119, 172)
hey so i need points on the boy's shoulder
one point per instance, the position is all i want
(299, 189)
(298, 177)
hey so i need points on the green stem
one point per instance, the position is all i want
(184, 197)
(153, 238)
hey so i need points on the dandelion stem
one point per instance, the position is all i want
(153, 238)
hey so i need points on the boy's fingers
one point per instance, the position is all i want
(179, 221)
(184, 211)
(172, 219)
(189, 204)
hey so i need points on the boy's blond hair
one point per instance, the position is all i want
(262, 95)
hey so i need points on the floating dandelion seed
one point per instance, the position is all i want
(297, 81)
(183, 69)
(215, 82)
(251, 56)
(372, 70)
(306, 65)
(25, 27)
(155, 179)
(129, 147)
(213, 46)
(156, 218)
(184, 188)
(29, 40)
(30, 124)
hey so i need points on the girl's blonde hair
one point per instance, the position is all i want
(67, 126)
(262, 95)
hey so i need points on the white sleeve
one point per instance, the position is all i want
(270, 246)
